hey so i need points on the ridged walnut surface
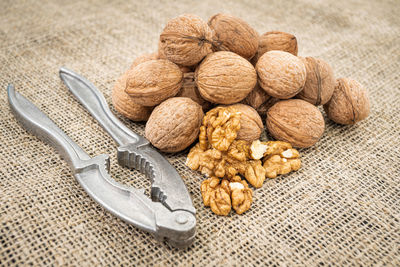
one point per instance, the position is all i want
(153, 81)
(295, 121)
(251, 125)
(123, 102)
(225, 78)
(189, 89)
(174, 124)
(186, 40)
(281, 74)
(256, 97)
(320, 81)
(276, 40)
(349, 103)
(233, 34)
(143, 58)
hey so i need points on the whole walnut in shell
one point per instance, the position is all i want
(320, 82)
(281, 74)
(275, 40)
(264, 107)
(189, 89)
(233, 34)
(295, 121)
(153, 81)
(225, 78)
(349, 103)
(143, 58)
(186, 40)
(174, 124)
(251, 125)
(123, 102)
(256, 97)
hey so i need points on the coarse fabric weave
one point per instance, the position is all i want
(341, 208)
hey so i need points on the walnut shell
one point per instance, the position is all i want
(256, 97)
(123, 102)
(143, 58)
(281, 74)
(174, 124)
(251, 125)
(295, 121)
(264, 107)
(233, 34)
(275, 40)
(186, 40)
(225, 78)
(153, 81)
(349, 103)
(189, 89)
(320, 81)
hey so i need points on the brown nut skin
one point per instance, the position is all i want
(349, 103)
(320, 82)
(295, 121)
(123, 103)
(225, 78)
(186, 40)
(153, 81)
(251, 125)
(143, 58)
(174, 124)
(281, 74)
(189, 89)
(233, 34)
(275, 40)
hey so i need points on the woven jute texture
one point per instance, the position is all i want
(341, 208)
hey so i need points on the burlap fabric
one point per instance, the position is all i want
(341, 208)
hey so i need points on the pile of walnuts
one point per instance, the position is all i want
(200, 66)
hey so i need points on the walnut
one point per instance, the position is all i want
(264, 107)
(189, 89)
(221, 195)
(233, 34)
(153, 81)
(174, 124)
(241, 196)
(224, 77)
(143, 58)
(256, 97)
(281, 74)
(282, 163)
(275, 40)
(295, 121)
(186, 40)
(320, 82)
(219, 128)
(251, 124)
(216, 195)
(255, 173)
(349, 103)
(123, 102)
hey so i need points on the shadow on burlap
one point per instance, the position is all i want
(340, 208)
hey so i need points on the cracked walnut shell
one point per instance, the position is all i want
(123, 102)
(225, 78)
(349, 103)
(281, 74)
(320, 82)
(251, 125)
(186, 40)
(153, 81)
(233, 34)
(295, 121)
(174, 124)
